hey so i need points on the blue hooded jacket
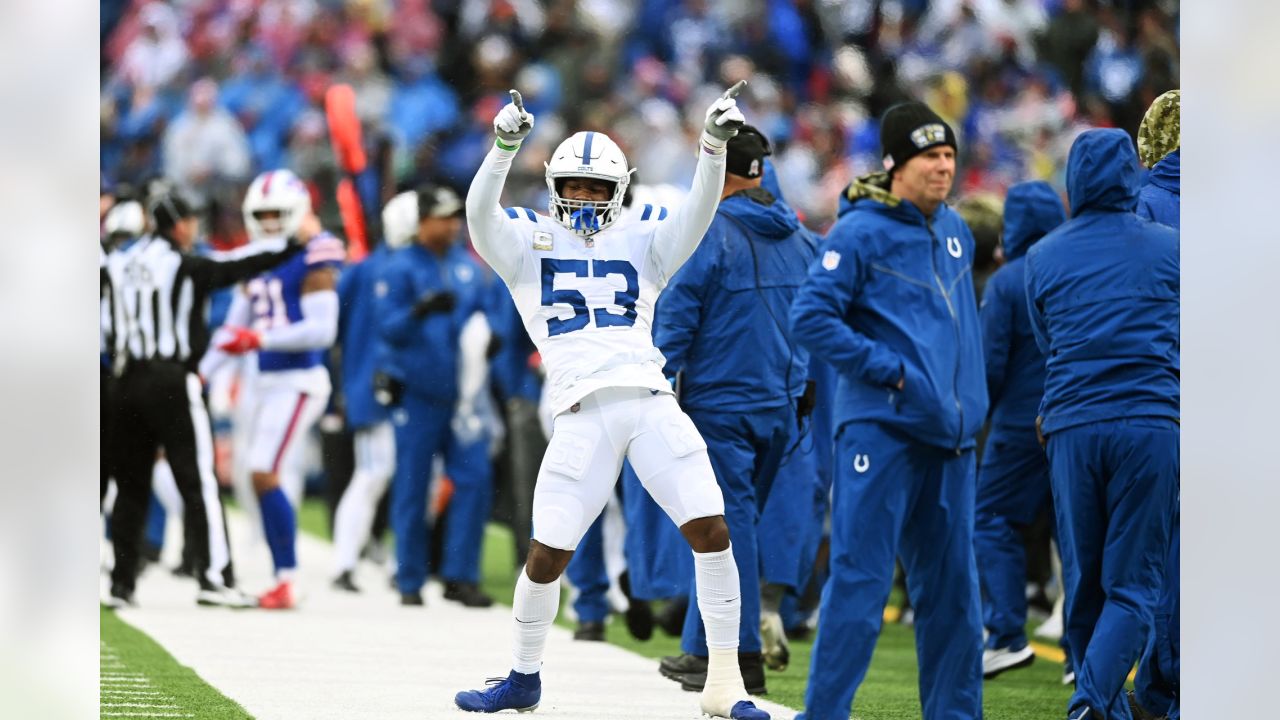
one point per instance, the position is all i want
(1015, 365)
(723, 318)
(424, 350)
(1103, 296)
(363, 350)
(1160, 198)
(891, 297)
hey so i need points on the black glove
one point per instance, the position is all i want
(806, 402)
(495, 346)
(387, 391)
(433, 302)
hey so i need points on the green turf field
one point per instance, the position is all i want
(139, 679)
(889, 692)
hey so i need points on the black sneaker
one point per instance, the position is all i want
(344, 582)
(185, 570)
(413, 598)
(674, 667)
(590, 631)
(118, 597)
(469, 594)
(1139, 712)
(750, 664)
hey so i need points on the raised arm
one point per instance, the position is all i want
(676, 239)
(486, 221)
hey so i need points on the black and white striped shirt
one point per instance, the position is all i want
(159, 296)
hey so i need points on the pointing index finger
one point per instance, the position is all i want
(733, 91)
(517, 100)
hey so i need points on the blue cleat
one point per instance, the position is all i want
(517, 691)
(747, 710)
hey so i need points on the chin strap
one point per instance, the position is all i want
(585, 219)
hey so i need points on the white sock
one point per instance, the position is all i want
(720, 602)
(534, 609)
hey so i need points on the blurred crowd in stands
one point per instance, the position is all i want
(210, 92)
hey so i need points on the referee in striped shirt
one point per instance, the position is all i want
(158, 332)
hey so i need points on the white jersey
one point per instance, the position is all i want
(587, 302)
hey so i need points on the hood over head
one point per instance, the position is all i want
(1102, 172)
(1031, 210)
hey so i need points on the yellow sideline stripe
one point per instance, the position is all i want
(1047, 652)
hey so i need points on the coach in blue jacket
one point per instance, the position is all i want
(722, 324)
(1013, 482)
(431, 288)
(1157, 686)
(890, 305)
(1103, 296)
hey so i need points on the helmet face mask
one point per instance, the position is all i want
(587, 155)
(275, 204)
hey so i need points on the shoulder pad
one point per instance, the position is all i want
(653, 212)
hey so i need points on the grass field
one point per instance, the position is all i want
(889, 693)
(139, 679)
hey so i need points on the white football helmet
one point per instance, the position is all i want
(590, 155)
(400, 220)
(277, 191)
(125, 218)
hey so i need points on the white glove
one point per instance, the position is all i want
(724, 118)
(513, 123)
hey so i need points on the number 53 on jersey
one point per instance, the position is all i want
(626, 299)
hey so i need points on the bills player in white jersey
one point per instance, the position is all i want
(585, 282)
(289, 315)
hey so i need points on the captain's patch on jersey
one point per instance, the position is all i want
(541, 240)
(831, 260)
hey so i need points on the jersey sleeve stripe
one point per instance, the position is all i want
(648, 210)
(511, 213)
(529, 213)
(662, 213)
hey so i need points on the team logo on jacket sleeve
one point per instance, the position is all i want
(954, 247)
(831, 260)
(861, 463)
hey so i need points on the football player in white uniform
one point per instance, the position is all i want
(585, 282)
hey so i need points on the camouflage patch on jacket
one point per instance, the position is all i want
(872, 187)
(1161, 130)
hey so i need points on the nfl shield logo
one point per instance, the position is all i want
(831, 260)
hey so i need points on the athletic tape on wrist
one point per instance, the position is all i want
(504, 146)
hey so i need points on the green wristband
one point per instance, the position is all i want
(504, 146)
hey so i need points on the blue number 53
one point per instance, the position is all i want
(574, 299)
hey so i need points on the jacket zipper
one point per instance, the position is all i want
(955, 325)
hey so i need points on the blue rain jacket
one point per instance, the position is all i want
(1103, 296)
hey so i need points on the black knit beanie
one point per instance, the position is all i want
(746, 152)
(908, 129)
